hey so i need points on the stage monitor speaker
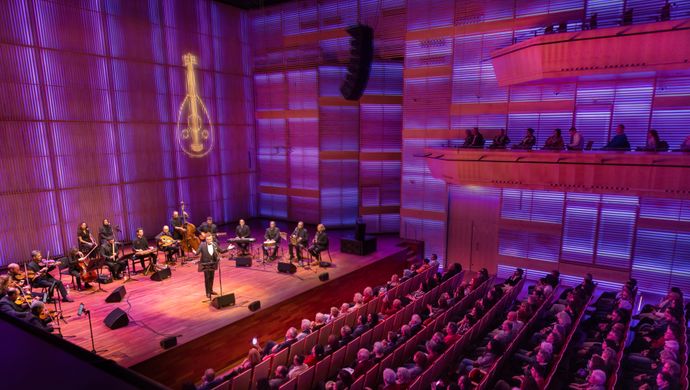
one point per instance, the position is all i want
(222, 301)
(359, 67)
(243, 261)
(323, 277)
(116, 319)
(358, 247)
(287, 268)
(161, 275)
(117, 295)
(254, 306)
(169, 342)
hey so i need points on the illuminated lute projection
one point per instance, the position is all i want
(196, 138)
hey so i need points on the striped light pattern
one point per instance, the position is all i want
(91, 90)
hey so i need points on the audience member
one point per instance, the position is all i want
(577, 142)
(500, 141)
(619, 141)
(555, 141)
(528, 141)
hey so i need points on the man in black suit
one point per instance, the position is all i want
(43, 278)
(105, 232)
(243, 231)
(208, 227)
(272, 234)
(208, 263)
(320, 241)
(299, 235)
(8, 305)
(109, 251)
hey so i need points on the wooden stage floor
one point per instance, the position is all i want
(177, 306)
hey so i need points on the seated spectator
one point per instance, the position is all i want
(332, 345)
(380, 350)
(469, 138)
(335, 313)
(393, 308)
(528, 141)
(415, 323)
(279, 377)
(404, 378)
(367, 294)
(500, 141)
(345, 336)
(477, 139)
(361, 326)
(595, 381)
(494, 349)
(451, 333)
(685, 146)
(253, 358)
(421, 363)
(394, 282)
(515, 277)
(555, 142)
(577, 142)
(319, 322)
(344, 309)
(290, 338)
(358, 300)
(317, 353)
(372, 320)
(619, 141)
(363, 364)
(433, 350)
(209, 380)
(453, 270)
(305, 326)
(389, 380)
(298, 366)
(344, 378)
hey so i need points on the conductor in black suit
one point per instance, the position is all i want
(208, 263)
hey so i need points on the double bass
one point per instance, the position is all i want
(189, 241)
(85, 274)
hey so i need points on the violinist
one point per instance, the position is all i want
(109, 251)
(42, 277)
(4, 285)
(17, 277)
(38, 317)
(142, 251)
(105, 232)
(86, 241)
(167, 244)
(75, 261)
(9, 305)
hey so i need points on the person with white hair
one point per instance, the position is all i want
(319, 322)
(358, 299)
(389, 379)
(364, 363)
(415, 323)
(305, 326)
(404, 377)
(209, 380)
(290, 338)
(597, 380)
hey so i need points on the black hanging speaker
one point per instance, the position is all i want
(116, 319)
(361, 56)
(161, 275)
(117, 295)
(254, 306)
(221, 301)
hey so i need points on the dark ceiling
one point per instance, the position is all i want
(252, 4)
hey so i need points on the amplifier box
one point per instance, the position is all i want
(358, 247)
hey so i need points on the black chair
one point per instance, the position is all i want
(63, 267)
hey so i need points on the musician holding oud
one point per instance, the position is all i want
(42, 278)
(298, 240)
(208, 263)
(271, 241)
(110, 252)
(320, 242)
(143, 251)
(85, 239)
(243, 231)
(167, 244)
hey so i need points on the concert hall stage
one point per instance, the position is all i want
(209, 337)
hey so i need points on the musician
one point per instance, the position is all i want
(320, 242)
(109, 251)
(177, 223)
(15, 274)
(210, 254)
(4, 285)
(243, 231)
(141, 245)
(300, 237)
(170, 249)
(8, 302)
(85, 240)
(105, 232)
(75, 267)
(37, 308)
(272, 234)
(209, 227)
(43, 278)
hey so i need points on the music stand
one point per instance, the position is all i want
(211, 267)
(97, 263)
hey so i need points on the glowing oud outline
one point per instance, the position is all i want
(194, 140)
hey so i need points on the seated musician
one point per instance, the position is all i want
(42, 277)
(167, 244)
(272, 234)
(15, 274)
(320, 242)
(177, 224)
(298, 240)
(209, 227)
(75, 261)
(243, 231)
(109, 251)
(142, 251)
(105, 232)
(8, 303)
(4, 285)
(37, 309)
(86, 242)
